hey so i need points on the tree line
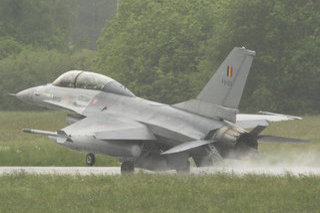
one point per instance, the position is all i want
(167, 50)
(41, 39)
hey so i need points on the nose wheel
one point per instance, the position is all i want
(90, 159)
(127, 167)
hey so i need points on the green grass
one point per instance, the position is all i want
(159, 193)
(21, 149)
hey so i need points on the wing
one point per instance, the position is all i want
(262, 119)
(107, 127)
(102, 127)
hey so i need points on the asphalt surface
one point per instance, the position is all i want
(277, 171)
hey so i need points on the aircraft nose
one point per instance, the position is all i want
(25, 95)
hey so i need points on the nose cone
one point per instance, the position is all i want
(26, 95)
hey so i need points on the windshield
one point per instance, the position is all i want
(67, 79)
(90, 80)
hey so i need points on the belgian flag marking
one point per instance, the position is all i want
(229, 71)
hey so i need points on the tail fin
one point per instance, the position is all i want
(222, 94)
(226, 85)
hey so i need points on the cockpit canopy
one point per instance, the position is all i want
(90, 80)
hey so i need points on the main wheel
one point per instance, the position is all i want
(90, 159)
(127, 167)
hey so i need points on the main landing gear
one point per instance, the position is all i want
(127, 167)
(90, 159)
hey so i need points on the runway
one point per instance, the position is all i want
(273, 171)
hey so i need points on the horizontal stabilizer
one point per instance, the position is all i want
(277, 139)
(252, 120)
(187, 146)
(289, 117)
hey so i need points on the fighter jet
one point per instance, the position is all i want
(109, 119)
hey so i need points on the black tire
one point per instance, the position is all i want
(127, 167)
(90, 159)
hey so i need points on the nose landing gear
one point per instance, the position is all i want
(90, 159)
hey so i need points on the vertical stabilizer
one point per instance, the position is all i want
(226, 85)
(222, 94)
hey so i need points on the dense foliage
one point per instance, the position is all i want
(58, 24)
(286, 36)
(90, 18)
(40, 39)
(167, 50)
(155, 47)
(41, 23)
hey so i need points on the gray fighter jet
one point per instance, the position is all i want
(108, 119)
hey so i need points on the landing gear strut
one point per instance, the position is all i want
(90, 159)
(127, 167)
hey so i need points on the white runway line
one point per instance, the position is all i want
(61, 170)
(274, 171)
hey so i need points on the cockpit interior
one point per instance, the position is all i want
(90, 80)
